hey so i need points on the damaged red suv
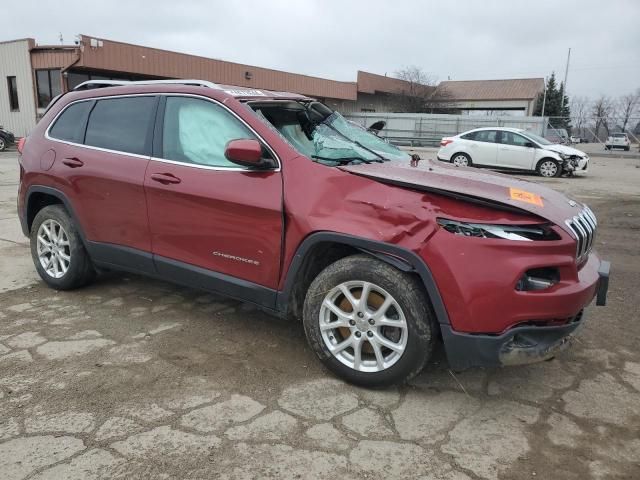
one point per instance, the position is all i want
(274, 199)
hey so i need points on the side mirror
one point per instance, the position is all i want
(529, 145)
(245, 152)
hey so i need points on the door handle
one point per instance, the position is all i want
(165, 178)
(73, 162)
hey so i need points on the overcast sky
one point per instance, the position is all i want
(462, 40)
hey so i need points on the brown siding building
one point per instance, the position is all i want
(59, 68)
(43, 71)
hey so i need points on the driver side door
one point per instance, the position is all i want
(515, 151)
(214, 224)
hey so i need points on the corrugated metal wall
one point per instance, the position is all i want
(15, 61)
(424, 129)
(44, 58)
(123, 57)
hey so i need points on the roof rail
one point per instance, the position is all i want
(91, 84)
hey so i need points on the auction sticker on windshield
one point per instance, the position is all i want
(524, 196)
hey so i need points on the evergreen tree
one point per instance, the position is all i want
(553, 106)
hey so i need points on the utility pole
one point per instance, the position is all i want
(564, 89)
(544, 97)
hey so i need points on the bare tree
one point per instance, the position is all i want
(601, 111)
(421, 94)
(579, 113)
(626, 107)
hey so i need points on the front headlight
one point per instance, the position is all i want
(564, 156)
(523, 233)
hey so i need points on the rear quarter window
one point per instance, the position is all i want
(469, 136)
(122, 124)
(69, 126)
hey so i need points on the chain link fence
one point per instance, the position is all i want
(423, 129)
(596, 129)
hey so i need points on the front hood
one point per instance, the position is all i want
(471, 184)
(564, 149)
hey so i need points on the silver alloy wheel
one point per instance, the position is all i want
(548, 169)
(461, 161)
(54, 250)
(363, 326)
(2, 145)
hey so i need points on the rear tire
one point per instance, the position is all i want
(461, 159)
(57, 250)
(393, 344)
(547, 167)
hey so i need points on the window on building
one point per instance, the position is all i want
(121, 124)
(197, 131)
(13, 94)
(48, 85)
(70, 125)
(74, 79)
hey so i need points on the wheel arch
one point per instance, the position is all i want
(38, 197)
(320, 249)
(549, 157)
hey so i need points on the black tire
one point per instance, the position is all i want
(80, 269)
(3, 145)
(543, 172)
(405, 289)
(626, 149)
(464, 155)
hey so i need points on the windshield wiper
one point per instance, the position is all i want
(343, 160)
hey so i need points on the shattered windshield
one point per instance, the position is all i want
(368, 140)
(326, 136)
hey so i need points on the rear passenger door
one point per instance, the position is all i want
(484, 149)
(214, 224)
(102, 161)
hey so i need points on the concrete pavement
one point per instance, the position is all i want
(135, 378)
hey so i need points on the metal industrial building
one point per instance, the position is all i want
(33, 74)
(487, 97)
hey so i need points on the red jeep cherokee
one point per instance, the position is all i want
(275, 199)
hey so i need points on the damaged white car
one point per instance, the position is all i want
(512, 149)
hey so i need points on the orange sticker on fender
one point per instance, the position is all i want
(524, 196)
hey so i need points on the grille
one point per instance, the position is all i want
(583, 226)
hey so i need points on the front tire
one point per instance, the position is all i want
(548, 167)
(461, 159)
(57, 250)
(3, 145)
(383, 340)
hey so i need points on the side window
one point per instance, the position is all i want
(486, 136)
(197, 131)
(70, 125)
(470, 136)
(121, 124)
(514, 139)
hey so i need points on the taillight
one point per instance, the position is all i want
(445, 141)
(21, 143)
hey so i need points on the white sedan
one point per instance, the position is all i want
(511, 148)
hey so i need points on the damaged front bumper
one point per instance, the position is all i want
(519, 345)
